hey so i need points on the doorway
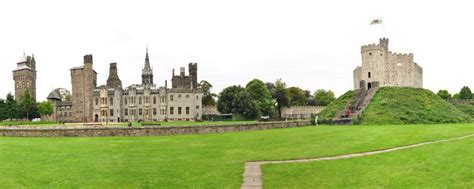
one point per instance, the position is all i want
(369, 85)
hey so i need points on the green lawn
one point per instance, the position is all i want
(191, 161)
(441, 165)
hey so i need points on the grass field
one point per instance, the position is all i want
(441, 165)
(197, 161)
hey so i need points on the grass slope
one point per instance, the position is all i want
(188, 161)
(403, 105)
(340, 103)
(441, 165)
(466, 108)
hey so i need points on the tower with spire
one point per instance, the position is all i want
(25, 77)
(147, 72)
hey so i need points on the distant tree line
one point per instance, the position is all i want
(262, 99)
(464, 94)
(24, 108)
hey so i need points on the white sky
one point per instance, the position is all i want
(310, 44)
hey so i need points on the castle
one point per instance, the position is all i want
(380, 67)
(139, 102)
(25, 77)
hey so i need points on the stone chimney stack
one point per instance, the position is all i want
(181, 71)
(113, 80)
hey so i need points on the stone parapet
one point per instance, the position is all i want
(142, 131)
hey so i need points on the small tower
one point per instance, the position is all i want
(25, 77)
(192, 68)
(147, 72)
(114, 80)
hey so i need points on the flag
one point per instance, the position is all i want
(376, 21)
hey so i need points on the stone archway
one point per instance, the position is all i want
(96, 118)
(369, 85)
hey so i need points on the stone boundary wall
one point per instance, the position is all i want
(300, 112)
(144, 131)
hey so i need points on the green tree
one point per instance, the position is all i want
(309, 98)
(28, 106)
(280, 95)
(323, 97)
(444, 94)
(236, 100)
(456, 96)
(3, 114)
(208, 97)
(45, 108)
(262, 97)
(11, 108)
(465, 93)
(296, 96)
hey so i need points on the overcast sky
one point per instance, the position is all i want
(310, 44)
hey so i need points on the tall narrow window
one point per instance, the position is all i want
(370, 75)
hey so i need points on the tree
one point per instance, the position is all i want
(11, 107)
(26, 104)
(309, 98)
(444, 94)
(465, 93)
(323, 97)
(208, 97)
(296, 96)
(280, 95)
(3, 115)
(259, 93)
(45, 108)
(236, 100)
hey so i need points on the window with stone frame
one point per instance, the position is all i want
(96, 101)
(154, 111)
(126, 112)
(171, 97)
(140, 111)
(171, 110)
(139, 100)
(111, 101)
(154, 100)
(111, 112)
(179, 110)
(187, 110)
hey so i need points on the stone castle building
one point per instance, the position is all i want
(25, 77)
(84, 81)
(138, 102)
(380, 67)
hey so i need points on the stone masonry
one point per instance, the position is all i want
(380, 67)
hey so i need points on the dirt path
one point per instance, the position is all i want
(253, 172)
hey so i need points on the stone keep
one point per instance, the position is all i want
(25, 77)
(380, 67)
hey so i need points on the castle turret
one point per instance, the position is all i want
(147, 72)
(192, 68)
(114, 80)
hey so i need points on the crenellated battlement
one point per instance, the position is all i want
(370, 47)
(402, 55)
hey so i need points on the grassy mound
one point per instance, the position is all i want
(340, 103)
(402, 105)
(466, 108)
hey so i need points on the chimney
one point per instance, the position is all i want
(181, 71)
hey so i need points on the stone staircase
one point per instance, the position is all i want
(355, 107)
